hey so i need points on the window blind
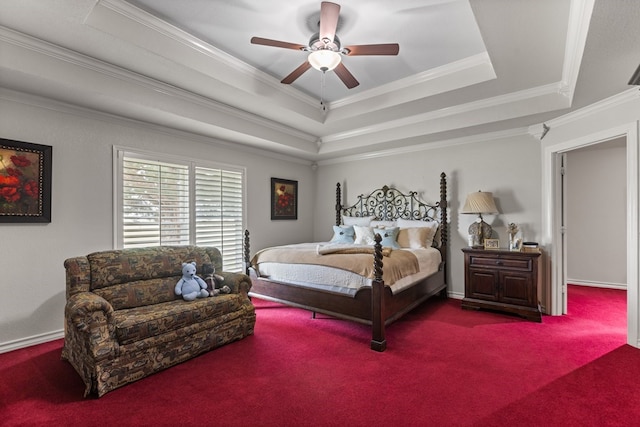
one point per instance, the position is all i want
(175, 203)
(218, 213)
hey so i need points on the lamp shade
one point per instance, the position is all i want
(480, 202)
(324, 59)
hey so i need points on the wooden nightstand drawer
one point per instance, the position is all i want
(503, 280)
(499, 261)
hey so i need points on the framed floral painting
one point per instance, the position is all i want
(284, 199)
(25, 182)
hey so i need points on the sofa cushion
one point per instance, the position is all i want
(139, 323)
(140, 292)
(128, 265)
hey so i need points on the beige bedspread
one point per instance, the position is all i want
(396, 263)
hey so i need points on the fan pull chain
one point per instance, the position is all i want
(322, 84)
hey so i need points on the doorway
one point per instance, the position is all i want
(594, 204)
(552, 221)
(595, 228)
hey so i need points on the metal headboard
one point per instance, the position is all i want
(388, 203)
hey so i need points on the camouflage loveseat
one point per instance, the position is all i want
(124, 322)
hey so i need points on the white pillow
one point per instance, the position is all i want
(410, 223)
(382, 224)
(417, 237)
(364, 235)
(362, 221)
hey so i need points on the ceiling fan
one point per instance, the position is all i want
(326, 50)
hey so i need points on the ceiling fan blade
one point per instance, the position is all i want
(346, 76)
(373, 49)
(276, 43)
(329, 13)
(296, 73)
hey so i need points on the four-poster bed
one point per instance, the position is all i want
(371, 301)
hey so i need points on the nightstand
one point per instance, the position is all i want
(502, 280)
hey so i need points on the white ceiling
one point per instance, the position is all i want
(465, 68)
(442, 32)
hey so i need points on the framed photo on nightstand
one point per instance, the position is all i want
(492, 243)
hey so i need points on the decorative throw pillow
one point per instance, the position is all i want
(416, 237)
(343, 234)
(434, 226)
(389, 236)
(411, 223)
(437, 239)
(364, 235)
(362, 221)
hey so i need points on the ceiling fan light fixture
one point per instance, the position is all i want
(324, 59)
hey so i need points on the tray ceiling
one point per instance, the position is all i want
(465, 68)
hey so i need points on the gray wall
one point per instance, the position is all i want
(509, 167)
(32, 255)
(596, 203)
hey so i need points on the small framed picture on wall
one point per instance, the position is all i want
(284, 199)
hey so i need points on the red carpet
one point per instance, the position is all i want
(443, 367)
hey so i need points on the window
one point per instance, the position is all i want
(168, 201)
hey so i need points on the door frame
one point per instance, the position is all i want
(551, 223)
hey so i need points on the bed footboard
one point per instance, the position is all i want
(368, 307)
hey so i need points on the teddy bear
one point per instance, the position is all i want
(191, 286)
(214, 281)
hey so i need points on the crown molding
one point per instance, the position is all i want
(447, 143)
(109, 14)
(595, 108)
(156, 88)
(580, 12)
(506, 102)
(102, 18)
(424, 84)
(148, 84)
(275, 117)
(87, 113)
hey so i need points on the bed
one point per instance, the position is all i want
(292, 274)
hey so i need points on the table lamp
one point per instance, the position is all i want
(479, 203)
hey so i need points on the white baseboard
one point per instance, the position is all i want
(29, 341)
(622, 286)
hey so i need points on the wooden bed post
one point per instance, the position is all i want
(443, 210)
(247, 259)
(444, 225)
(378, 316)
(338, 205)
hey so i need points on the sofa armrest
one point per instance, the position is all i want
(238, 282)
(78, 275)
(90, 323)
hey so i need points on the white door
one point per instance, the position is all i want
(563, 228)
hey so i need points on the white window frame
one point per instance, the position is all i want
(119, 153)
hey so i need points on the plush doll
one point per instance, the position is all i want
(191, 286)
(214, 281)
